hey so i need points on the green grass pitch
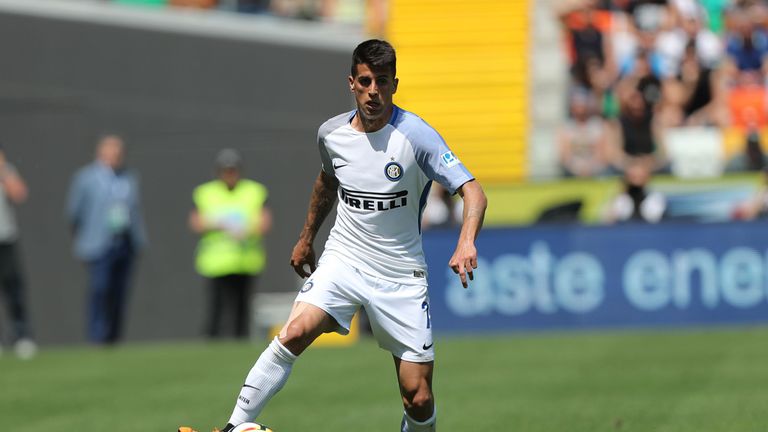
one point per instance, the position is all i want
(644, 381)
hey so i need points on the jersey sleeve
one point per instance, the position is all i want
(326, 129)
(325, 158)
(437, 161)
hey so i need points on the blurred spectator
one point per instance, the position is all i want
(651, 65)
(752, 158)
(757, 207)
(442, 209)
(13, 191)
(200, 4)
(252, 6)
(596, 79)
(747, 45)
(303, 9)
(636, 125)
(747, 105)
(332, 10)
(695, 96)
(376, 17)
(687, 36)
(642, 21)
(639, 94)
(586, 30)
(715, 14)
(104, 212)
(584, 140)
(231, 217)
(159, 3)
(648, 14)
(636, 202)
(640, 45)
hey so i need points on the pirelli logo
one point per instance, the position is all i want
(374, 201)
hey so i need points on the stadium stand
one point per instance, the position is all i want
(652, 66)
(465, 72)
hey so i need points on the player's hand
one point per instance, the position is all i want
(303, 254)
(464, 261)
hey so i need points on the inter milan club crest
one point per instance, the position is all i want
(393, 171)
(307, 286)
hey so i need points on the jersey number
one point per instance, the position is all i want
(425, 308)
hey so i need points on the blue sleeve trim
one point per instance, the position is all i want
(432, 153)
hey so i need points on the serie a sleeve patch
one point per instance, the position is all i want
(449, 159)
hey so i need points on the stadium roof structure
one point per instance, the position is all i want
(210, 23)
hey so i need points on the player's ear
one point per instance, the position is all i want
(394, 88)
(351, 83)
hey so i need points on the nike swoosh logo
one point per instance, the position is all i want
(339, 166)
(426, 347)
(256, 388)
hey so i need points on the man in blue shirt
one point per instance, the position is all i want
(104, 213)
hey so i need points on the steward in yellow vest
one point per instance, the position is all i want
(231, 218)
(231, 244)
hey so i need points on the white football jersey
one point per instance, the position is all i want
(384, 180)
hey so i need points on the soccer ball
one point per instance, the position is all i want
(251, 427)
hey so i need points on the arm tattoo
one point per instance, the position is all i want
(320, 204)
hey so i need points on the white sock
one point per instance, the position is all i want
(411, 425)
(266, 378)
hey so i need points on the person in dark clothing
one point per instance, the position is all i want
(695, 96)
(636, 202)
(639, 96)
(636, 122)
(13, 191)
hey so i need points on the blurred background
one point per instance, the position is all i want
(621, 143)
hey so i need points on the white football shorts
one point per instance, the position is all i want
(399, 314)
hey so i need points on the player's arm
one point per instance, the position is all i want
(265, 221)
(11, 182)
(464, 259)
(320, 204)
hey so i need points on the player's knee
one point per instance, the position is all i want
(297, 337)
(418, 398)
(422, 401)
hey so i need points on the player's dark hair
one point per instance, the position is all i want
(375, 53)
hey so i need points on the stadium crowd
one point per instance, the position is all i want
(639, 68)
(327, 10)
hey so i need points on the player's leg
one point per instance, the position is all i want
(304, 325)
(399, 316)
(270, 372)
(324, 304)
(415, 381)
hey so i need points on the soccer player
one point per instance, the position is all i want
(379, 160)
